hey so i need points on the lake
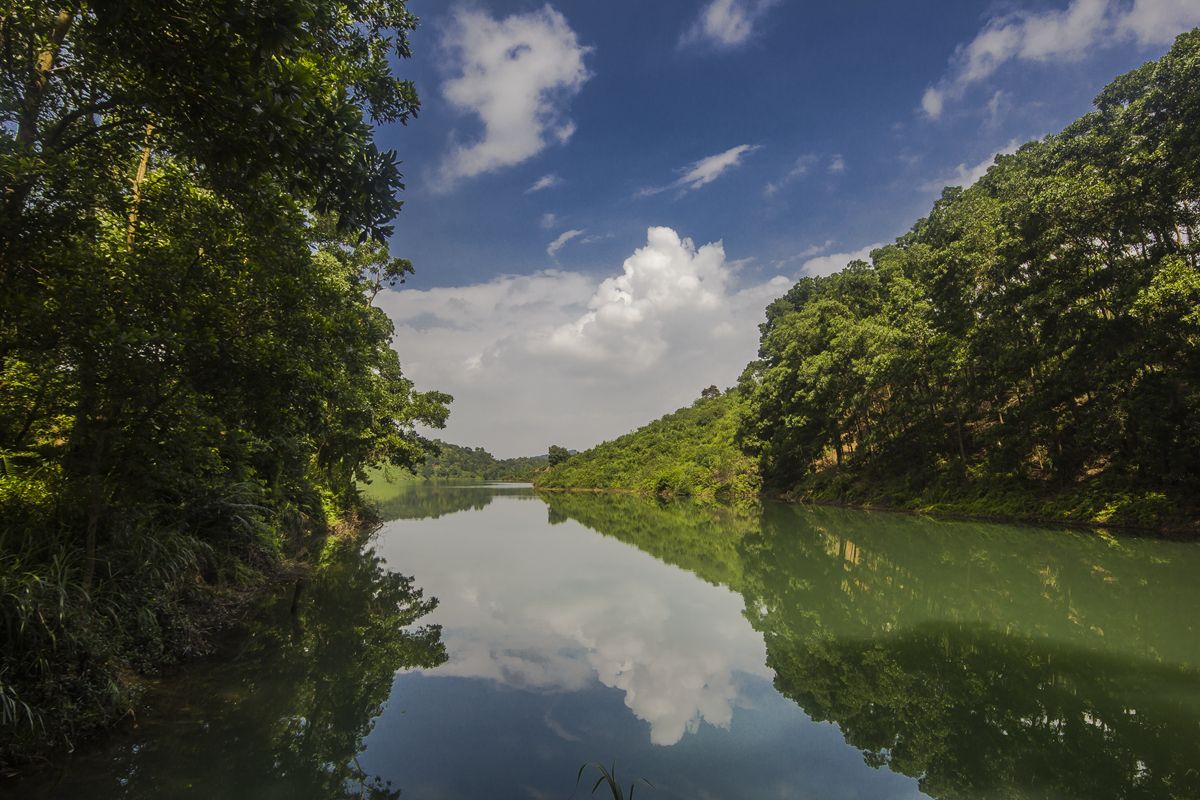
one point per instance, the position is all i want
(755, 651)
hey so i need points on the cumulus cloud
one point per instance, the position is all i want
(677, 648)
(559, 356)
(1063, 34)
(705, 171)
(566, 236)
(517, 75)
(661, 286)
(726, 23)
(964, 175)
(829, 264)
(544, 182)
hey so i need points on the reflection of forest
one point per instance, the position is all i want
(430, 500)
(288, 715)
(986, 660)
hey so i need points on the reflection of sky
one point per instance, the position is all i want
(556, 608)
(555, 635)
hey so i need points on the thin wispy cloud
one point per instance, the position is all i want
(837, 164)
(558, 244)
(829, 264)
(703, 172)
(802, 255)
(517, 75)
(801, 167)
(966, 174)
(1064, 34)
(726, 24)
(544, 182)
(548, 220)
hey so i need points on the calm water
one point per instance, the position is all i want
(759, 652)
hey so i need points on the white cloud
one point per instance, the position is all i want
(837, 164)
(1063, 34)
(704, 171)
(569, 358)
(566, 236)
(829, 264)
(726, 23)
(517, 75)
(801, 167)
(964, 175)
(803, 255)
(1156, 22)
(544, 182)
(549, 220)
(815, 249)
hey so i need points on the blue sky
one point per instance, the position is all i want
(788, 135)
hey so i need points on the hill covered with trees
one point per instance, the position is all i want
(449, 461)
(1031, 348)
(688, 452)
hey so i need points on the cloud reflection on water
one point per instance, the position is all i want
(546, 609)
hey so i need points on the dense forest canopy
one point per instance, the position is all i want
(448, 460)
(1039, 326)
(192, 373)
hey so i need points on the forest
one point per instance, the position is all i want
(193, 375)
(1029, 349)
(446, 460)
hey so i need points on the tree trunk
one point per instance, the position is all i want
(136, 195)
(35, 92)
(31, 108)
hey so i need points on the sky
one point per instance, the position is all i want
(603, 197)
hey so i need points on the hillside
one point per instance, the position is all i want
(687, 452)
(1031, 348)
(455, 461)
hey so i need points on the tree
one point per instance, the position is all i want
(558, 455)
(192, 373)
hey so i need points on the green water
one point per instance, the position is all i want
(756, 652)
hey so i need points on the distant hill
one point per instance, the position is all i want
(688, 452)
(456, 461)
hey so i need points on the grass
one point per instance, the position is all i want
(608, 779)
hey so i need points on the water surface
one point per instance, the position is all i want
(755, 652)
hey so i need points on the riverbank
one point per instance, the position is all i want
(1096, 503)
(1146, 512)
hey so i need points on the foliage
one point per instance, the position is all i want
(1036, 331)
(450, 461)
(192, 375)
(688, 452)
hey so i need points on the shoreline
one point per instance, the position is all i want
(1183, 531)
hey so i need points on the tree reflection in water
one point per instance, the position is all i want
(287, 716)
(985, 660)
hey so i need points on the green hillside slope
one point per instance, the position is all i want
(688, 452)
